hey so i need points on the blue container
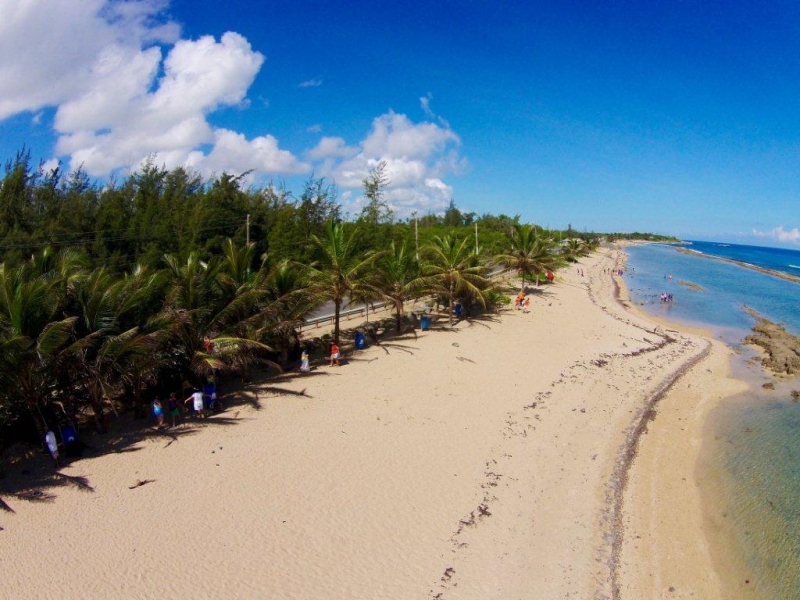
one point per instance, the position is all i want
(458, 310)
(425, 323)
(360, 341)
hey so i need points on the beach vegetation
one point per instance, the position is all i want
(529, 251)
(340, 272)
(395, 273)
(451, 269)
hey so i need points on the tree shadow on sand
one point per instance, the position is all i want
(35, 479)
(37, 483)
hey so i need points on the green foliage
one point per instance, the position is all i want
(105, 290)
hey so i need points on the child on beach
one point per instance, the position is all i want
(158, 412)
(526, 306)
(52, 446)
(335, 354)
(304, 366)
(174, 409)
(197, 402)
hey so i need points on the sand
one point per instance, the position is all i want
(513, 456)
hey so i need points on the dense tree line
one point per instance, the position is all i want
(109, 293)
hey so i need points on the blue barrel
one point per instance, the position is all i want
(425, 323)
(458, 310)
(360, 341)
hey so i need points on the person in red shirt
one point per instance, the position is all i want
(335, 354)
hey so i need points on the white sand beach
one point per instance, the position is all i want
(514, 456)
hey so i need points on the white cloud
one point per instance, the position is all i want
(118, 99)
(60, 41)
(232, 151)
(316, 82)
(331, 147)
(425, 102)
(779, 234)
(417, 156)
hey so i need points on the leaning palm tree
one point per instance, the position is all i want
(450, 268)
(341, 273)
(395, 271)
(529, 252)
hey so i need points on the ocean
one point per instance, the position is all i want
(751, 450)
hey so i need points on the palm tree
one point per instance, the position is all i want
(206, 307)
(450, 269)
(340, 273)
(270, 301)
(528, 252)
(115, 347)
(396, 269)
(33, 338)
(575, 248)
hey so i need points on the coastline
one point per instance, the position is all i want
(673, 547)
(498, 458)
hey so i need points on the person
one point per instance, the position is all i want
(520, 298)
(158, 412)
(304, 366)
(526, 306)
(197, 402)
(210, 395)
(335, 354)
(174, 409)
(52, 445)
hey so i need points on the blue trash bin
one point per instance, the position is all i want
(360, 341)
(458, 310)
(425, 323)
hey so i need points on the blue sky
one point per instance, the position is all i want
(680, 117)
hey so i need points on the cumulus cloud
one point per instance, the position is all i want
(417, 155)
(779, 234)
(118, 98)
(231, 150)
(61, 40)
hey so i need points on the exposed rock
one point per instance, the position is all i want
(781, 348)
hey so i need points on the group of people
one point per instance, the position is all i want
(665, 297)
(200, 403)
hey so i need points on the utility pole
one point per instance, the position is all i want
(248, 229)
(476, 238)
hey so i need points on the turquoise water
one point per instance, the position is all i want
(753, 440)
(726, 289)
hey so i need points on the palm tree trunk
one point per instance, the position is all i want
(337, 308)
(398, 308)
(32, 400)
(450, 303)
(95, 393)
